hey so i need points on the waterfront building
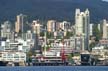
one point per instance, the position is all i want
(57, 46)
(13, 56)
(49, 56)
(101, 52)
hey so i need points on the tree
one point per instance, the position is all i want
(106, 48)
(29, 54)
(69, 57)
(92, 45)
(96, 32)
(58, 37)
(42, 34)
(68, 34)
(49, 35)
(47, 47)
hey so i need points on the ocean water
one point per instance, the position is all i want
(56, 68)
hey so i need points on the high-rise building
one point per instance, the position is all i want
(6, 29)
(79, 43)
(99, 27)
(91, 29)
(82, 28)
(105, 29)
(29, 35)
(65, 25)
(51, 26)
(19, 24)
(78, 23)
(36, 27)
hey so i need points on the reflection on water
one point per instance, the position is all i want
(56, 68)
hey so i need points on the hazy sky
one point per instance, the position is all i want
(105, 0)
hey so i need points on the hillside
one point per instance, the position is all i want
(52, 9)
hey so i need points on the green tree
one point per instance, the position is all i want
(42, 34)
(58, 37)
(47, 47)
(49, 35)
(68, 34)
(92, 45)
(96, 32)
(106, 48)
(29, 55)
(69, 57)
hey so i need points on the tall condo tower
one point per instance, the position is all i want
(82, 21)
(19, 24)
(105, 29)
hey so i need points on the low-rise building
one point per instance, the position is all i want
(13, 56)
(104, 42)
(17, 45)
(101, 52)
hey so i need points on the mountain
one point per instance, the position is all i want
(52, 9)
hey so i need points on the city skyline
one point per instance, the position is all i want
(54, 41)
(54, 33)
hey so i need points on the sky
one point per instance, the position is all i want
(105, 0)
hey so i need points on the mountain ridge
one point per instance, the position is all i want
(52, 9)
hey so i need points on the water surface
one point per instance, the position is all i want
(56, 68)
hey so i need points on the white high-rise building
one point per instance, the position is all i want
(82, 20)
(82, 28)
(78, 23)
(91, 29)
(29, 35)
(105, 29)
(64, 25)
(99, 27)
